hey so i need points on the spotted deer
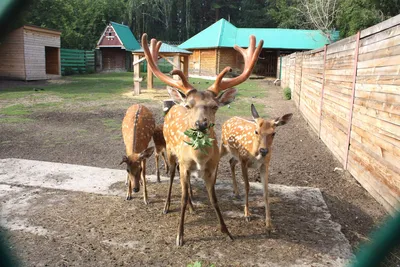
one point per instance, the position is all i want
(249, 142)
(137, 130)
(159, 142)
(197, 110)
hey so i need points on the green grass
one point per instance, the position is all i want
(287, 93)
(112, 124)
(12, 120)
(102, 89)
(199, 264)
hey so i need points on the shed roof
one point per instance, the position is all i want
(126, 36)
(167, 49)
(224, 34)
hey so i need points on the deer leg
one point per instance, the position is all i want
(144, 182)
(165, 163)
(172, 163)
(232, 163)
(209, 180)
(127, 180)
(184, 201)
(191, 208)
(158, 167)
(264, 179)
(247, 188)
(129, 189)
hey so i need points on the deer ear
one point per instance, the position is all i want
(254, 112)
(176, 95)
(227, 96)
(124, 160)
(283, 120)
(146, 153)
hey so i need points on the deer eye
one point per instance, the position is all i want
(273, 134)
(186, 105)
(127, 170)
(256, 132)
(215, 107)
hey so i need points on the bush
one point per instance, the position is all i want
(287, 93)
(68, 71)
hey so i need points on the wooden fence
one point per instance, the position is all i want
(349, 93)
(77, 61)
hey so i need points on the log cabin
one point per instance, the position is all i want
(30, 53)
(115, 47)
(212, 49)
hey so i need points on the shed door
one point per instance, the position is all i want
(52, 60)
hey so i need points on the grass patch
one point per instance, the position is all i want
(287, 93)
(11, 120)
(15, 110)
(112, 124)
(199, 264)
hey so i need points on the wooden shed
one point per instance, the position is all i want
(116, 45)
(213, 47)
(31, 53)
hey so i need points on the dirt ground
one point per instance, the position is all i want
(299, 159)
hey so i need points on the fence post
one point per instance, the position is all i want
(353, 90)
(322, 93)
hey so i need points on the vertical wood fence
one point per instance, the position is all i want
(77, 61)
(349, 93)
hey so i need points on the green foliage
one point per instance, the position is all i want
(68, 71)
(355, 15)
(199, 139)
(287, 93)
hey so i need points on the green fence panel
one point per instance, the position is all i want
(75, 61)
(163, 65)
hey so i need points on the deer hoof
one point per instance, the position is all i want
(165, 211)
(146, 202)
(248, 218)
(179, 240)
(128, 197)
(230, 237)
(236, 196)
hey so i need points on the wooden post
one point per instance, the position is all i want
(177, 65)
(322, 93)
(149, 78)
(136, 75)
(352, 100)
(186, 66)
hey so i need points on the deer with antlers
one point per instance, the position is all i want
(249, 142)
(137, 130)
(197, 111)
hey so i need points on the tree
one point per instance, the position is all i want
(286, 15)
(321, 14)
(355, 15)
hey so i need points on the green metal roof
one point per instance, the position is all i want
(126, 36)
(166, 48)
(224, 34)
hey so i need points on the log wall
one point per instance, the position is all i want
(349, 93)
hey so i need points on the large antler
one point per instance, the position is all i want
(250, 56)
(151, 55)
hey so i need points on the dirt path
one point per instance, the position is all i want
(92, 137)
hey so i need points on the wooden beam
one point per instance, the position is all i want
(137, 62)
(136, 76)
(322, 93)
(149, 78)
(177, 65)
(380, 26)
(173, 63)
(186, 66)
(346, 159)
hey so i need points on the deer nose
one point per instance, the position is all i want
(136, 190)
(263, 151)
(202, 125)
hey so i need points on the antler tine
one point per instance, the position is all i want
(216, 85)
(151, 55)
(250, 56)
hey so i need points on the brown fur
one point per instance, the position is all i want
(159, 142)
(244, 140)
(137, 130)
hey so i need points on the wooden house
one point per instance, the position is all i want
(116, 45)
(213, 47)
(30, 53)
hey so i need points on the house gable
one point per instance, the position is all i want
(110, 38)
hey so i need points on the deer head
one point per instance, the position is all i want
(133, 165)
(265, 131)
(202, 105)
